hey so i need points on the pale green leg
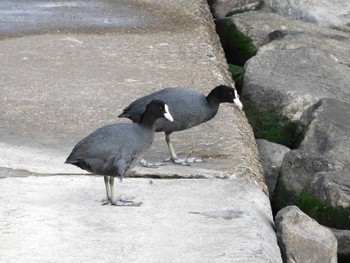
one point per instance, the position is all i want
(170, 146)
(111, 184)
(112, 199)
(108, 189)
(174, 156)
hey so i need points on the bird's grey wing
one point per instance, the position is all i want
(97, 144)
(135, 109)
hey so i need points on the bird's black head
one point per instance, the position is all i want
(158, 109)
(224, 93)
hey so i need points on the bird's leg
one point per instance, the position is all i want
(173, 155)
(111, 185)
(108, 189)
(170, 146)
(121, 200)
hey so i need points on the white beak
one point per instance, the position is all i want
(237, 101)
(167, 114)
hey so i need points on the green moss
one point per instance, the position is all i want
(328, 216)
(271, 125)
(238, 47)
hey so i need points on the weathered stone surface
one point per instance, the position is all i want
(331, 188)
(326, 129)
(302, 239)
(298, 168)
(59, 86)
(221, 8)
(325, 147)
(60, 219)
(326, 198)
(263, 27)
(271, 156)
(343, 237)
(276, 79)
(322, 12)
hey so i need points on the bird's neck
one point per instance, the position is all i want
(147, 121)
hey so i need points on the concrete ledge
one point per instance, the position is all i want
(60, 219)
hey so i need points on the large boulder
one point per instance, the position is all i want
(298, 168)
(222, 8)
(263, 27)
(296, 65)
(326, 130)
(271, 156)
(322, 12)
(343, 237)
(326, 198)
(302, 239)
(292, 79)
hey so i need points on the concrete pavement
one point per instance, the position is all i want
(59, 82)
(60, 219)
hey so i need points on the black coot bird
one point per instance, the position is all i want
(113, 149)
(188, 107)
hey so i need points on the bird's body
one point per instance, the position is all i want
(188, 107)
(123, 142)
(113, 149)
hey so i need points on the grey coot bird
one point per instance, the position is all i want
(188, 107)
(113, 149)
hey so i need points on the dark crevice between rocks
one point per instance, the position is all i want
(266, 124)
(237, 47)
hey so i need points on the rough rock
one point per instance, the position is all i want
(325, 147)
(263, 27)
(343, 237)
(322, 12)
(296, 65)
(271, 156)
(326, 129)
(291, 80)
(302, 239)
(298, 168)
(327, 199)
(222, 8)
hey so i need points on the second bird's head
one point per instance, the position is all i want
(228, 94)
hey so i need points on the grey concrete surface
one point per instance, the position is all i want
(62, 79)
(179, 221)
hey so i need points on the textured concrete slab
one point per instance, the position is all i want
(60, 219)
(59, 84)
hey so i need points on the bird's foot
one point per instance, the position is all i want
(146, 164)
(123, 201)
(185, 161)
(105, 201)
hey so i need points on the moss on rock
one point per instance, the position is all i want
(323, 214)
(271, 125)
